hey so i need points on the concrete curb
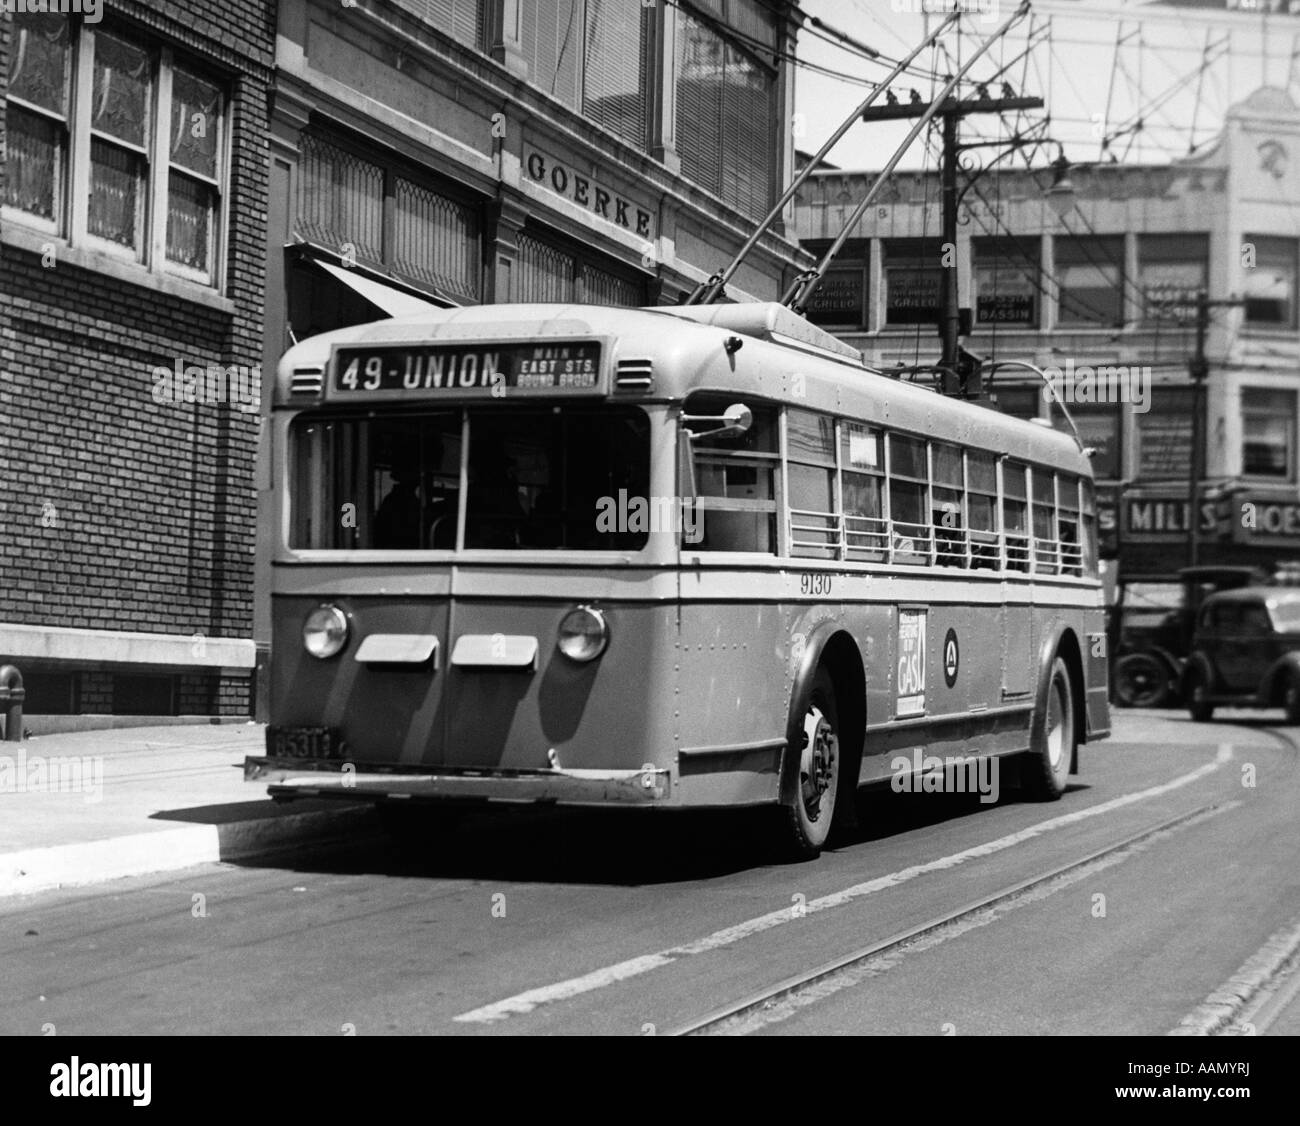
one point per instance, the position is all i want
(169, 850)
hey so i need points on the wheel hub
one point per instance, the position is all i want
(817, 762)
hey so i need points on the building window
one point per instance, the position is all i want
(1088, 274)
(40, 72)
(617, 67)
(726, 101)
(840, 301)
(551, 274)
(913, 282)
(1018, 402)
(1268, 427)
(1172, 270)
(432, 238)
(1100, 428)
(140, 107)
(461, 19)
(1164, 436)
(1271, 282)
(1005, 274)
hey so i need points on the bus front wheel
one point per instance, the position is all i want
(816, 749)
(1047, 766)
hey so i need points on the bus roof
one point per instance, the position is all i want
(755, 350)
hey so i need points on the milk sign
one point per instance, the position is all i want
(911, 662)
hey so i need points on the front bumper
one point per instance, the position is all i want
(286, 777)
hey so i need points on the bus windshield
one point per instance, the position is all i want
(536, 479)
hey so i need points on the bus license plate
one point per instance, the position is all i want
(304, 742)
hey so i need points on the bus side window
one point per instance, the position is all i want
(981, 507)
(1068, 517)
(1046, 548)
(948, 505)
(735, 478)
(911, 532)
(862, 476)
(1015, 514)
(814, 513)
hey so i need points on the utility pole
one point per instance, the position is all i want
(951, 112)
(1198, 367)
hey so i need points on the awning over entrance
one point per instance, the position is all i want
(392, 301)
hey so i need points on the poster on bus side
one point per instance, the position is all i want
(911, 662)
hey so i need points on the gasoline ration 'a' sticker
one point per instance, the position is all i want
(951, 658)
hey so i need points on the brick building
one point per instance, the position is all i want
(132, 277)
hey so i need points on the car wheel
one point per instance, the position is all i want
(1142, 681)
(1198, 697)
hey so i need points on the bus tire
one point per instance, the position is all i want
(806, 824)
(1052, 743)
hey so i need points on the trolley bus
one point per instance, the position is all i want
(672, 557)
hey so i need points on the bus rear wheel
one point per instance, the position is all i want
(816, 749)
(1052, 746)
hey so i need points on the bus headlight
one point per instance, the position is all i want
(325, 631)
(583, 634)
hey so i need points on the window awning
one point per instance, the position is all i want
(393, 301)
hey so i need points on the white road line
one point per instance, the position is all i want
(791, 1004)
(531, 999)
(1221, 1013)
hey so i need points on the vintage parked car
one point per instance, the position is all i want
(1151, 630)
(1246, 652)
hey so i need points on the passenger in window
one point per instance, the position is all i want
(397, 521)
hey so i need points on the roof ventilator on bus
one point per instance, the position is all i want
(635, 375)
(307, 380)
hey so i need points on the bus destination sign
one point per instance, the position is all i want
(491, 370)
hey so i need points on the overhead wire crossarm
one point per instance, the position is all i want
(801, 292)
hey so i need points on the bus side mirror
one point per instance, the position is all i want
(736, 419)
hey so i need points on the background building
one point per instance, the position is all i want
(133, 234)
(1112, 284)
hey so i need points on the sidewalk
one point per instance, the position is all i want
(88, 806)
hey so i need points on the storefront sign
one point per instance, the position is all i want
(1264, 521)
(839, 299)
(587, 193)
(1152, 519)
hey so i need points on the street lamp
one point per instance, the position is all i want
(1061, 195)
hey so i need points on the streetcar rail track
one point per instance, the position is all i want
(720, 1019)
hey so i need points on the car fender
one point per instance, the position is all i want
(1201, 663)
(1287, 664)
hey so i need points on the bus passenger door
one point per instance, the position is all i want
(1017, 647)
